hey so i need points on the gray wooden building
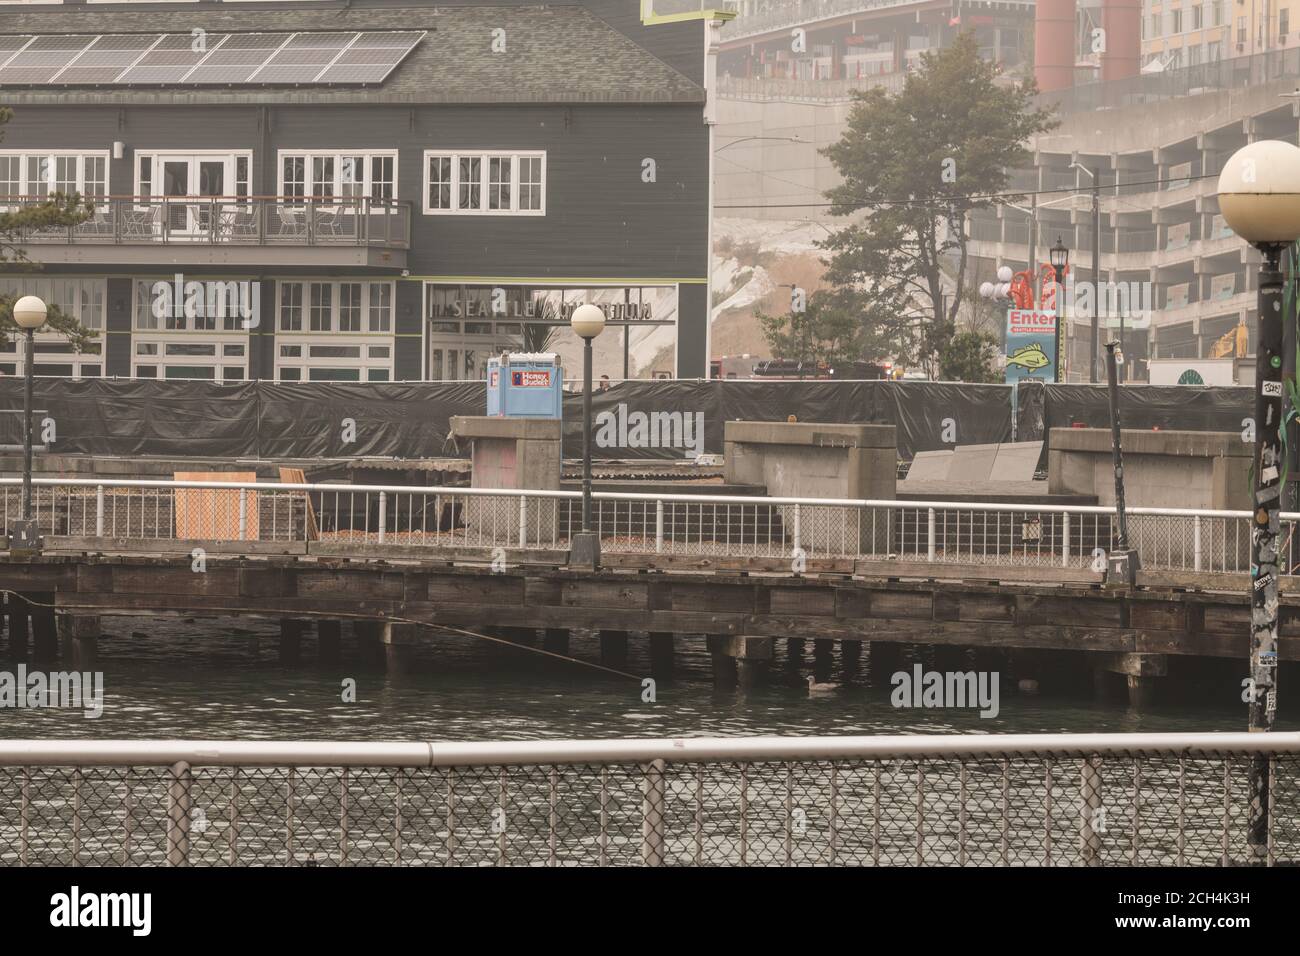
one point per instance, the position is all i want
(371, 190)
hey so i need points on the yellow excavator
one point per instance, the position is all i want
(1232, 344)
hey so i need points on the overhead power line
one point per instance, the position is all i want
(945, 203)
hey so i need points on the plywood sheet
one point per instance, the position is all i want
(212, 514)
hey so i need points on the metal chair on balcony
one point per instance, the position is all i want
(141, 222)
(293, 223)
(328, 226)
(98, 226)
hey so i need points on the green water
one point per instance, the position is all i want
(168, 678)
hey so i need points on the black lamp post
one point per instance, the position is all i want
(29, 314)
(587, 321)
(1259, 196)
(1059, 256)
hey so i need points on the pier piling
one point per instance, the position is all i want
(19, 629)
(399, 648)
(724, 664)
(45, 636)
(661, 655)
(79, 640)
(329, 642)
(823, 654)
(290, 642)
(556, 640)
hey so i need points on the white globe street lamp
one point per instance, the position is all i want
(587, 322)
(1259, 196)
(29, 314)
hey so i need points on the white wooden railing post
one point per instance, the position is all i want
(929, 534)
(1065, 539)
(99, 511)
(659, 526)
(383, 515)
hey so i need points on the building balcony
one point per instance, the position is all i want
(227, 231)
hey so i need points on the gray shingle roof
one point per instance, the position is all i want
(554, 54)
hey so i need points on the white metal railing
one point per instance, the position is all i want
(963, 800)
(791, 529)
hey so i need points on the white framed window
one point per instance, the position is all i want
(334, 331)
(207, 305)
(320, 358)
(484, 182)
(203, 338)
(84, 300)
(348, 174)
(348, 306)
(35, 174)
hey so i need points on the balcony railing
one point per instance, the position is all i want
(230, 220)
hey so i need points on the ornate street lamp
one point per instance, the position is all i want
(1259, 196)
(1059, 256)
(587, 322)
(29, 313)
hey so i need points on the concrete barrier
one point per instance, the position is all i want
(816, 460)
(1162, 469)
(521, 453)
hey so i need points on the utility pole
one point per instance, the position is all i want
(1096, 272)
(1033, 249)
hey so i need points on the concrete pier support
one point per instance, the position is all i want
(1141, 672)
(613, 649)
(886, 659)
(399, 647)
(661, 655)
(290, 642)
(725, 675)
(823, 655)
(740, 661)
(79, 640)
(329, 642)
(556, 640)
(19, 629)
(45, 635)
(753, 657)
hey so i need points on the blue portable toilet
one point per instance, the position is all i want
(525, 385)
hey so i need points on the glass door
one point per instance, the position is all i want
(196, 177)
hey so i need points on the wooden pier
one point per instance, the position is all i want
(740, 606)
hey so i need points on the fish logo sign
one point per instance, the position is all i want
(1029, 357)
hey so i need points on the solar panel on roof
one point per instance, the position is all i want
(234, 59)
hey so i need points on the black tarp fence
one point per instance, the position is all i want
(1202, 408)
(637, 419)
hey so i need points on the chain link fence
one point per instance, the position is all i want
(1049, 801)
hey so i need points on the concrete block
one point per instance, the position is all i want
(1016, 461)
(973, 462)
(815, 460)
(1162, 469)
(930, 466)
(515, 453)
